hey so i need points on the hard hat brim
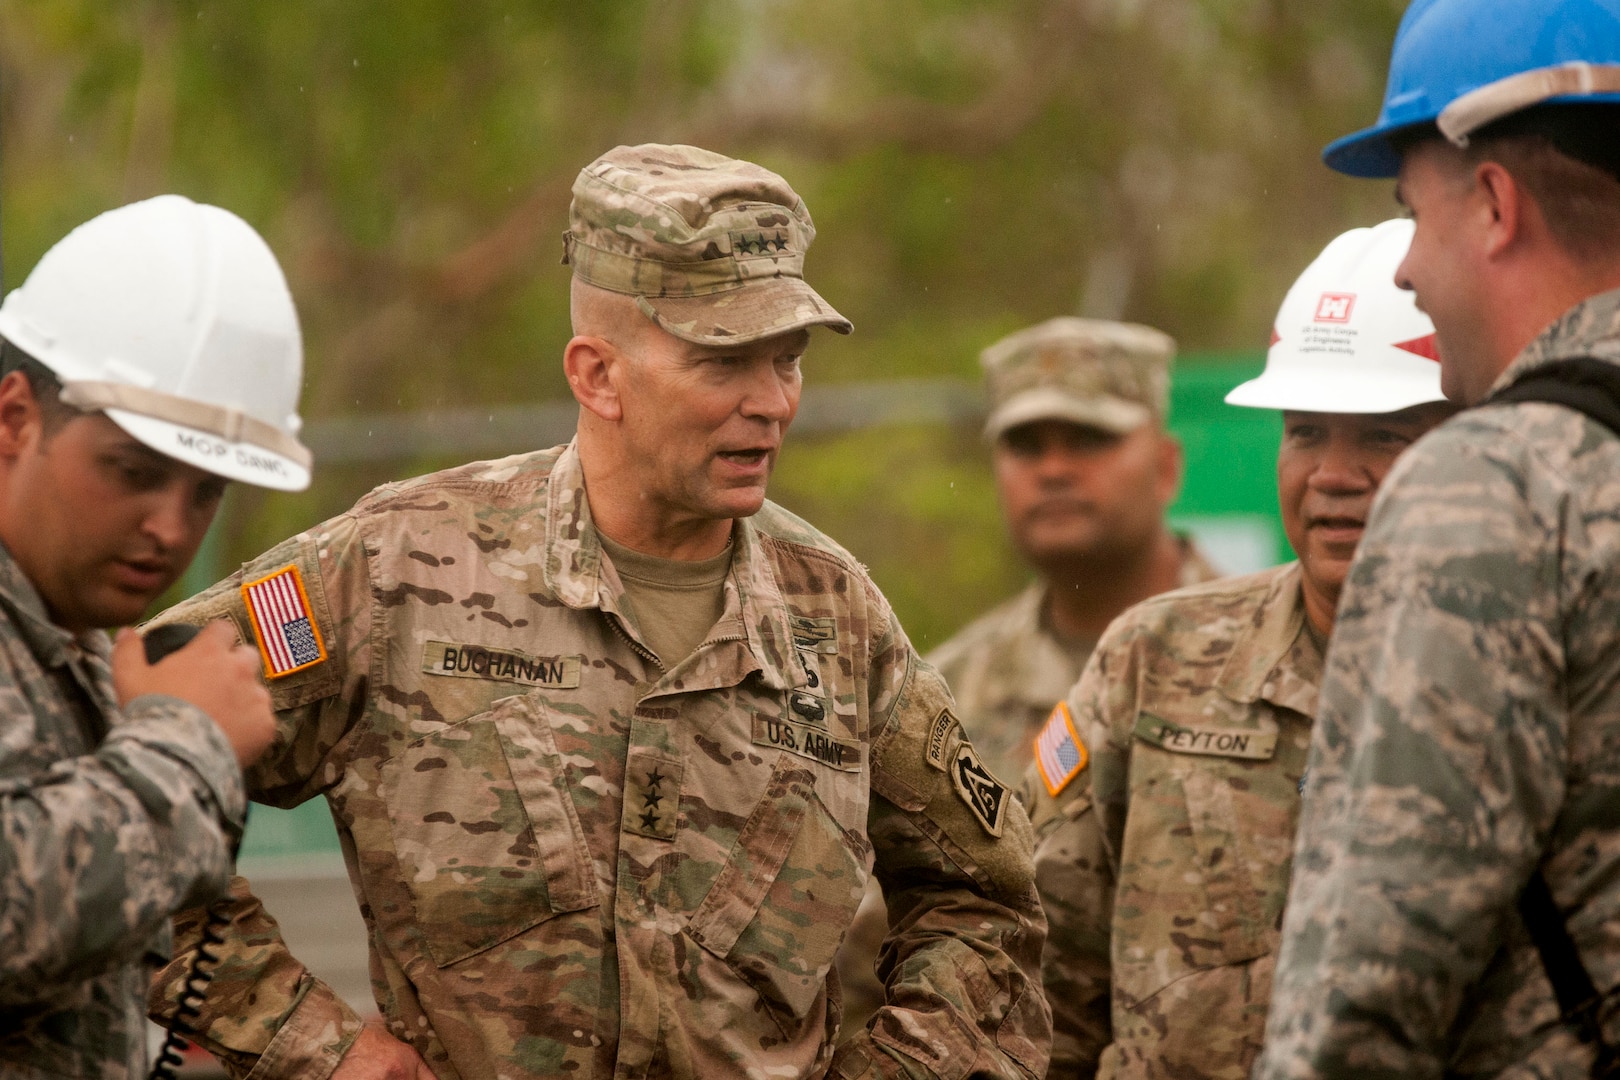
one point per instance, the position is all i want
(1332, 392)
(1368, 154)
(240, 461)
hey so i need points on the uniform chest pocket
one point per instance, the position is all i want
(1242, 816)
(778, 910)
(485, 831)
(1207, 843)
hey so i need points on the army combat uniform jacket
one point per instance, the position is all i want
(1006, 668)
(112, 822)
(1162, 857)
(1469, 733)
(575, 863)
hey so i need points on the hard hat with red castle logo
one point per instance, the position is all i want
(1347, 339)
(174, 319)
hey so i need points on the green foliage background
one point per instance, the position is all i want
(973, 165)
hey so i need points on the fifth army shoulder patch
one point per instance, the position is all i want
(984, 794)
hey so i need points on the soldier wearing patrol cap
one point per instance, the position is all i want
(611, 741)
(1085, 470)
(151, 357)
(1459, 839)
(1165, 786)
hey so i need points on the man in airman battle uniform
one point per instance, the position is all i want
(150, 358)
(611, 742)
(1464, 793)
(1165, 788)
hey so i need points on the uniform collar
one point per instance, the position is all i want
(1274, 659)
(1195, 567)
(51, 644)
(753, 625)
(1043, 667)
(1589, 329)
(1017, 660)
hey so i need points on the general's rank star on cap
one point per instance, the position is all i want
(1059, 753)
(283, 624)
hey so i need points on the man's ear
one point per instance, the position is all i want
(21, 420)
(591, 365)
(1167, 481)
(1507, 207)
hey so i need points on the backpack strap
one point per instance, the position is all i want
(1586, 384)
(1578, 1000)
(1591, 387)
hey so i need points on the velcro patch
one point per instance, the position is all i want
(984, 794)
(817, 633)
(806, 741)
(1244, 743)
(939, 736)
(1059, 753)
(283, 623)
(505, 665)
(652, 794)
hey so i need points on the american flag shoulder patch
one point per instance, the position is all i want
(283, 623)
(1059, 753)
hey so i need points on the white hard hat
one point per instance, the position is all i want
(1347, 339)
(173, 318)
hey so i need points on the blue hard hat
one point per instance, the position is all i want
(1474, 61)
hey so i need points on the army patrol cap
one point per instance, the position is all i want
(712, 248)
(1107, 375)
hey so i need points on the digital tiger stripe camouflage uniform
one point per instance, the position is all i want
(1466, 736)
(111, 821)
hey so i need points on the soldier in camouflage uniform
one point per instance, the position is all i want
(1165, 788)
(1085, 469)
(612, 743)
(120, 782)
(1467, 736)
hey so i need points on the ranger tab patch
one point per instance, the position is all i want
(1059, 753)
(984, 794)
(283, 623)
(939, 734)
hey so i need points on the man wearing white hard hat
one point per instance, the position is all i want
(151, 357)
(1165, 789)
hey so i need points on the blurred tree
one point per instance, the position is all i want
(974, 165)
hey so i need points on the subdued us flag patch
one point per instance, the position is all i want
(283, 623)
(1059, 753)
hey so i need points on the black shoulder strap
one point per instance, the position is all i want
(1578, 999)
(1587, 385)
(1592, 387)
